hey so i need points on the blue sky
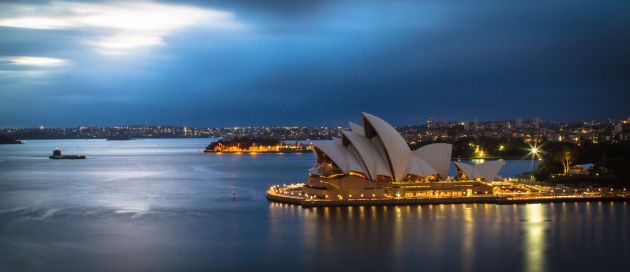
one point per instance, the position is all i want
(227, 63)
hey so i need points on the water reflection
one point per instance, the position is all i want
(387, 233)
(534, 244)
(452, 237)
(468, 239)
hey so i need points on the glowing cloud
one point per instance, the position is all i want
(126, 25)
(29, 66)
(114, 45)
(36, 61)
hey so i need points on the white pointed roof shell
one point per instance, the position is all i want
(397, 150)
(335, 152)
(388, 154)
(369, 154)
(468, 169)
(342, 157)
(355, 165)
(488, 171)
(419, 167)
(376, 143)
(437, 156)
(356, 128)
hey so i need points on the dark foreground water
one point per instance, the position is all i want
(161, 205)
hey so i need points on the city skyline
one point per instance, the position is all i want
(340, 124)
(431, 131)
(227, 63)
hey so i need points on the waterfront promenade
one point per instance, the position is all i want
(291, 194)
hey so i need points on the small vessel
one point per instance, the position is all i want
(57, 156)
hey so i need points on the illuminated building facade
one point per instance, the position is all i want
(374, 161)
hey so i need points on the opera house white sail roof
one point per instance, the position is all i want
(379, 152)
(488, 171)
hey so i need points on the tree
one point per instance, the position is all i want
(566, 158)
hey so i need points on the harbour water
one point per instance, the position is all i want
(163, 205)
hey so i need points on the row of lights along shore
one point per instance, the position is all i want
(282, 190)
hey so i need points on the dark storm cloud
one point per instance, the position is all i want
(320, 63)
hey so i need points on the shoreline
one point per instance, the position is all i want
(498, 200)
(256, 152)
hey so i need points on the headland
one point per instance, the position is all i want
(371, 164)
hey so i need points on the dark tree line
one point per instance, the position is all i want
(611, 161)
(244, 142)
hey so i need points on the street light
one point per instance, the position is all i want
(501, 149)
(535, 150)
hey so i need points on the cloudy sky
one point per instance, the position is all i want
(275, 62)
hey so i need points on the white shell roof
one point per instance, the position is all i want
(468, 169)
(386, 153)
(488, 171)
(356, 128)
(342, 157)
(437, 156)
(397, 150)
(420, 167)
(369, 155)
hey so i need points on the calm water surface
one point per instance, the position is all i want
(162, 205)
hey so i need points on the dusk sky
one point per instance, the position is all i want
(273, 62)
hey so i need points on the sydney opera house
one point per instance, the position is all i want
(374, 161)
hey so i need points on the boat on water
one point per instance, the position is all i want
(57, 156)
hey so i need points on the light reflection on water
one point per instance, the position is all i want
(534, 245)
(462, 237)
(468, 241)
(131, 205)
